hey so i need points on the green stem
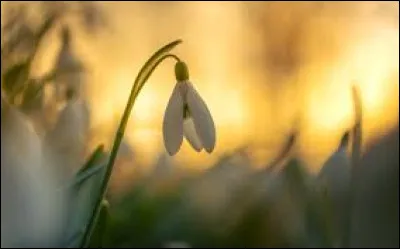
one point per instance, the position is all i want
(152, 63)
(143, 70)
(154, 67)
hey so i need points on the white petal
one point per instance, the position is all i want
(190, 133)
(202, 118)
(173, 122)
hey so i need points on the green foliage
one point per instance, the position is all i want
(252, 218)
(14, 80)
(18, 87)
(82, 192)
(99, 234)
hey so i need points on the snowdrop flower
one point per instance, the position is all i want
(68, 66)
(67, 140)
(187, 115)
(31, 213)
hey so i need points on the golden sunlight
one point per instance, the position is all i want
(218, 58)
(226, 46)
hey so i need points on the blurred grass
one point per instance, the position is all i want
(288, 208)
(249, 218)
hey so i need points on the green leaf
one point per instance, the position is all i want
(15, 79)
(79, 179)
(90, 168)
(83, 197)
(97, 239)
(32, 96)
(94, 158)
(46, 26)
(83, 191)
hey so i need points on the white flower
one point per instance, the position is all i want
(31, 212)
(67, 140)
(187, 115)
(69, 68)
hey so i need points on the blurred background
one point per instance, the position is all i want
(277, 78)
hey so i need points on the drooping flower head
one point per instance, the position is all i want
(187, 115)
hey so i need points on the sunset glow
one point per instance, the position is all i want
(220, 44)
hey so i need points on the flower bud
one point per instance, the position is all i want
(181, 71)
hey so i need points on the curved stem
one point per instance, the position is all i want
(154, 67)
(152, 63)
(148, 63)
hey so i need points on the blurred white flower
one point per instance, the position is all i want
(218, 188)
(67, 141)
(187, 115)
(68, 66)
(31, 210)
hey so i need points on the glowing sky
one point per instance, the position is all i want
(225, 46)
